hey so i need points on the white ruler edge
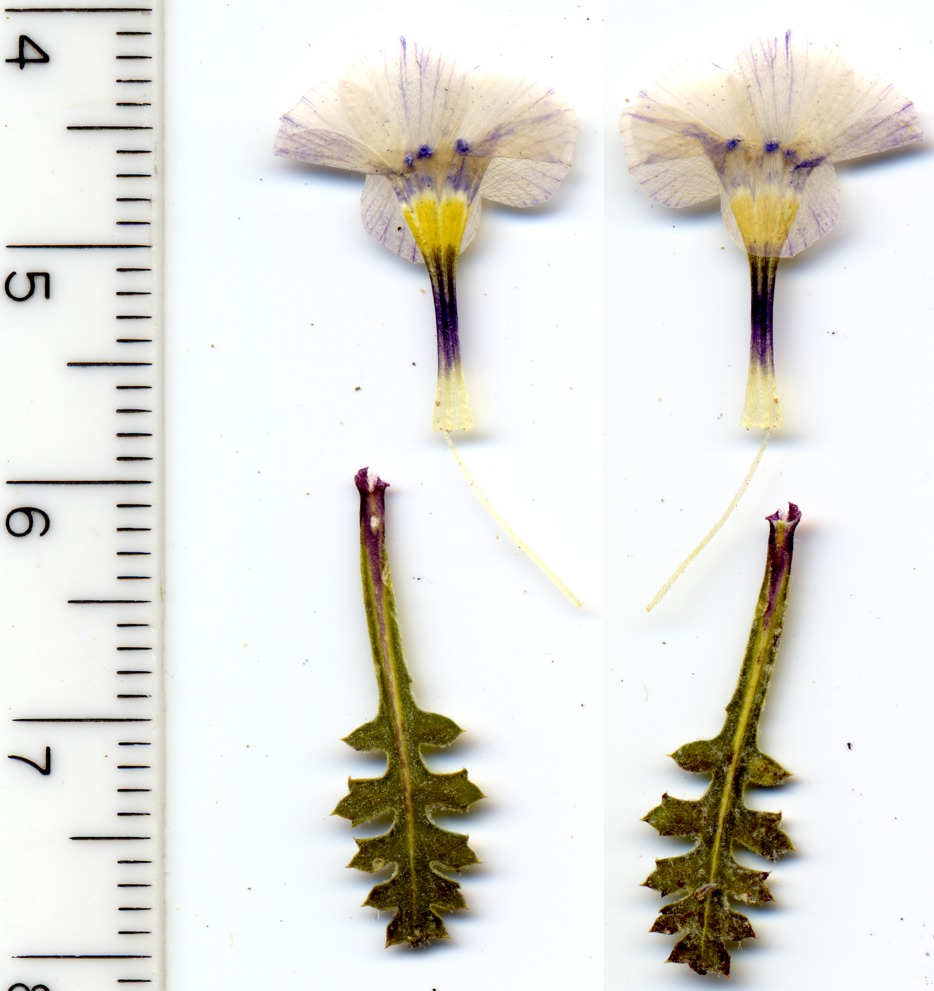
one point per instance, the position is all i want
(81, 694)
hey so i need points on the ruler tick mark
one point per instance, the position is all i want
(79, 247)
(82, 956)
(83, 719)
(78, 10)
(109, 602)
(108, 839)
(83, 481)
(108, 127)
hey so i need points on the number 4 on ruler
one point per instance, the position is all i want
(29, 52)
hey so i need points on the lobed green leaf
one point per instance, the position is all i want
(707, 880)
(415, 848)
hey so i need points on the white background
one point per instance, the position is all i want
(300, 351)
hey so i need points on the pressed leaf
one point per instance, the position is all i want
(415, 847)
(707, 879)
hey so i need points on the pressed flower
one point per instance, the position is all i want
(432, 141)
(764, 137)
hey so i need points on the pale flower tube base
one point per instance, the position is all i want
(761, 408)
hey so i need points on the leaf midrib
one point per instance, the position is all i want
(745, 721)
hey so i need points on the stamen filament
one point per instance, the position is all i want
(549, 573)
(715, 529)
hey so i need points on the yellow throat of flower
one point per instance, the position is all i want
(764, 218)
(437, 219)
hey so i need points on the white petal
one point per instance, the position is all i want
(384, 220)
(879, 119)
(400, 103)
(790, 90)
(516, 182)
(518, 120)
(417, 98)
(315, 131)
(473, 223)
(385, 111)
(809, 95)
(668, 133)
(672, 168)
(818, 211)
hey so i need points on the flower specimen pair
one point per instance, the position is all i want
(764, 137)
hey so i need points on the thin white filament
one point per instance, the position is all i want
(715, 529)
(506, 528)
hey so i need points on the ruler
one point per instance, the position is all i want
(81, 718)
